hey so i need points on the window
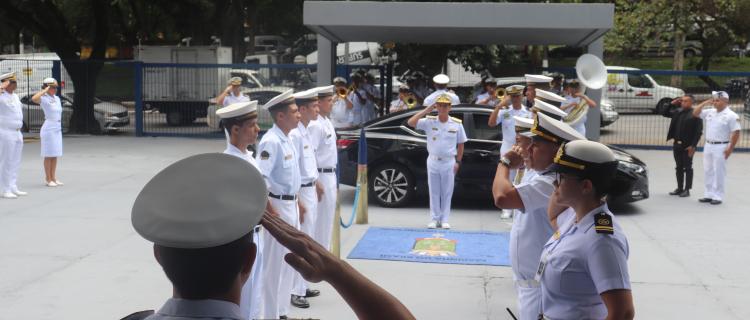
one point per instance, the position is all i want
(482, 131)
(639, 81)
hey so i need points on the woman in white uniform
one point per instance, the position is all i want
(51, 132)
(583, 269)
(11, 139)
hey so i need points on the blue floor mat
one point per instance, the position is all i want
(433, 246)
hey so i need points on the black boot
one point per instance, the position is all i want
(680, 179)
(685, 193)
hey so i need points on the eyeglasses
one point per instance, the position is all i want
(559, 177)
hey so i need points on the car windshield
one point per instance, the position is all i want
(262, 80)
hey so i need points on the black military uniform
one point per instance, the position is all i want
(685, 131)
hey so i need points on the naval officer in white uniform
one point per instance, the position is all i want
(279, 165)
(722, 133)
(583, 269)
(445, 147)
(441, 87)
(531, 226)
(323, 137)
(11, 139)
(51, 132)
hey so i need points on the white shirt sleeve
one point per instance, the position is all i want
(266, 157)
(735, 123)
(535, 194)
(608, 265)
(461, 136)
(500, 116)
(704, 113)
(422, 124)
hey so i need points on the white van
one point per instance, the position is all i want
(638, 92)
(32, 69)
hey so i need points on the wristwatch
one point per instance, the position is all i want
(505, 161)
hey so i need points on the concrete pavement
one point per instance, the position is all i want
(71, 253)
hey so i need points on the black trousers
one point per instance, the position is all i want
(683, 168)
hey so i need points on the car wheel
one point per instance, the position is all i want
(174, 118)
(391, 185)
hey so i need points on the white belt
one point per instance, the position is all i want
(531, 283)
(442, 158)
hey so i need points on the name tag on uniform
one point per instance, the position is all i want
(506, 115)
(452, 131)
(434, 129)
(540, 269)
(328, 136)
(287, 157)
(305, 147)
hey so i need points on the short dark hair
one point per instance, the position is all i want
(279, 108)
(441, 86)
(205, 273)
(692, 97)
(236, 121)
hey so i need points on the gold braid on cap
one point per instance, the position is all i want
(535, 129)
(560, 161)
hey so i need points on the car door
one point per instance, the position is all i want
(640, 92)
(481, 152)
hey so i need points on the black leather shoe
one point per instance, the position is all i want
(300, 302)
(282, 317)
(675, 192)
(685, 193)
(715, 202)
(705, 200)
(312, 293)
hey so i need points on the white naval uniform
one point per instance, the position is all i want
(719, 127)
(581, 125)
(323, 138)
(183, 309)
(231, 98)
(278, 163)
(430, 100)
(51, 132)
(252, 289)
(492, 102)
(371, 108)
(397, 105)
(340, 115)
(581, 264)
(530, 230)
(11, 140)
(442, 140)
(307, 194)
(359, 108)
(508, 125)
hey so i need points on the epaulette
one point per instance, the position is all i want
(603, 223)
(431, 117)
(457, 120)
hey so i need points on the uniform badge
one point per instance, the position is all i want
(603, 223)
(452, 131)
(506, 115)
(434, 138)
(264, 155)
(287, 157)
(434, 129)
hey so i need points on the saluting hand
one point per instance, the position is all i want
(515, 157)
(228, 90)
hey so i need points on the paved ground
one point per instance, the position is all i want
(71, 253)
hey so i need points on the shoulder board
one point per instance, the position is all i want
(456, 120)
(603, 223)
(431, 117)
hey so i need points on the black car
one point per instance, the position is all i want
(397, 157)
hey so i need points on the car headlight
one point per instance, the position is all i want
(607, 107)
(631, 166)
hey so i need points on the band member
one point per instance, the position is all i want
(489, 97)
(583, 269)
(405, 100)
(685, 131)
(722, 134)
(534, 81)
(341, 113)
(531, 225)
(511, 106)
(445, 146)
(441, 87)
(575, 98)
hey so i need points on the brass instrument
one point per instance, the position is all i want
(341, 91)
(500, 93)
(411, 102)
(576, 115)
(592, 73)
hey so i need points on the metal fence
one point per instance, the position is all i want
(640, 98)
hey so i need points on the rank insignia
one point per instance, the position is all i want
(603, 223)
(264, 155)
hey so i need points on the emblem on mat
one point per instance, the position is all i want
(434, 246)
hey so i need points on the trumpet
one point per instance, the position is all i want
(411, 102)
(341, 91)
(500, 93)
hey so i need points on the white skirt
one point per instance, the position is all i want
(51, 135)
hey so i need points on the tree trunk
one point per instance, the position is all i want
(83, 73)
(679, 57)
(703, 66)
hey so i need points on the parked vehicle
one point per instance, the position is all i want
(263, 95)
(635, 91)
(110, 116)
(397, 153)
(31, 69)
